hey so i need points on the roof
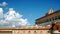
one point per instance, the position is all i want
(48, 15)
(31, 28)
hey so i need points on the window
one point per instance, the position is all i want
(23, 31)
(53, 18)
(18, 32)
(50, 19)
(57, 27)
(29, 32)
(59, 30)
(58, 17)
(35, 32)
(48, 31)
(40, 32)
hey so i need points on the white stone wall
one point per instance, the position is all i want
(27, 32)
(6, 32)
(31, 32)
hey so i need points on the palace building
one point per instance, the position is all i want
(26, 30)
(52, 19)
(48, 24)
(49, 18)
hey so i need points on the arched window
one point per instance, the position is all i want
(40, 32)
(50, 19)
(53, 18)
(29, 32)
(35, 32)
(59, 30)
(18, 32)
(58, 17)
(57, 27)
(23, 31)
(47, 32)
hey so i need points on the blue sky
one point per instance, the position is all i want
(31, 9)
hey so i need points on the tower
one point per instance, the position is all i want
(51, 11)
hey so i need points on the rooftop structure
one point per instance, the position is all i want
(49, 18)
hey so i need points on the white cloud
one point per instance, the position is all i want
(13, 19)
(3, 4)
(13, 25)
(1, 13)
(1, 9)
